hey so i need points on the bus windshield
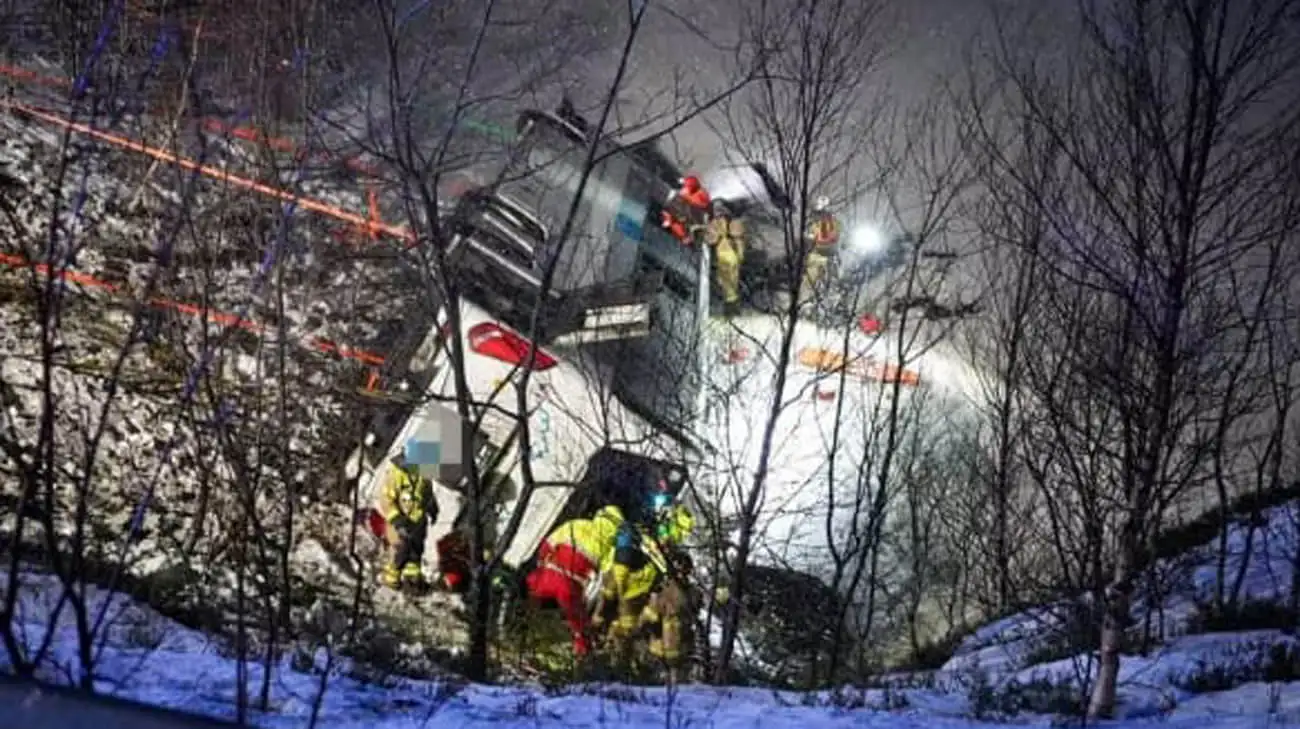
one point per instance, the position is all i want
(622, 205)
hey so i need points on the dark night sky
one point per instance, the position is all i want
(928, 37)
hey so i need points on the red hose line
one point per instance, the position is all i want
(215, 316)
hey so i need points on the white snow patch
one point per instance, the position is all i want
(151, 659)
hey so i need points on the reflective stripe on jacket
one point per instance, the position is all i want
(407, 493)
(593, 539)
(825, 233)
(726, 230)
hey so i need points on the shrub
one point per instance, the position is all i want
(893, 700)
(1205, 528)
(1036, 696)
(1280, 663)
(932, 655)
(1244, 615)
(1079, 632)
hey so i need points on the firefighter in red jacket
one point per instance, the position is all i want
(568, 560)
(687, 210)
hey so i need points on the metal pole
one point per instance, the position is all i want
(702, 345)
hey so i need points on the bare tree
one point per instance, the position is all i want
(1168, 127)
(111, 290)
(804, 120)
(59, 463)
(1012, 225)
(423, 162)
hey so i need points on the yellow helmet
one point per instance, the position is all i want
(610, 513)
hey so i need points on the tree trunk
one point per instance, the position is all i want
(1295, 565)
(1118, 596)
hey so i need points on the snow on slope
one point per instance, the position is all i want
(147, 658)
(183, 456)
(332, 292)
(1264, 555)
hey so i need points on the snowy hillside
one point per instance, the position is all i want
(233, 376)
(1226, 680)
(149, 659)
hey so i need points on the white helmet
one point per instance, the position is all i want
(822, 204)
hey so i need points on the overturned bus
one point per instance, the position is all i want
(633, 364)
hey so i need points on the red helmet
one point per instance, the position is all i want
(691, 183)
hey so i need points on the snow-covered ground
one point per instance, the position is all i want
(183, 382)
(147, 657)
(154, 442)
(1264, 555)
(197, 408)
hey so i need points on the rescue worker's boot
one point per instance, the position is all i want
(619, 640)
(391, 576)
(412, 577)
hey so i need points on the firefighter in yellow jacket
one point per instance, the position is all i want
(407, 504)
(646, 587)
(568, 560)
(727, 237)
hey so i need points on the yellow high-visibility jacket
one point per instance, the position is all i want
(407, 493)
(825, 234)
(726, 230)
(635, 568)
(593, 538)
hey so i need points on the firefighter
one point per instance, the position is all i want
(727, 236)
(668, 615)
(687, 210)
(823, 237)
(694, 195)
(645, 585)
(453, 550)
(454, 560)
(668, 611)
(568, 560)
(407, 504)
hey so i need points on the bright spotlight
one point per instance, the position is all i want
(867, 240)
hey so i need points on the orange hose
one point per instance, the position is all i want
(372, 204)
(73, 276)
(22, 74)
(282, 144)
(396, 231)
(215, 316)
(373, 224)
